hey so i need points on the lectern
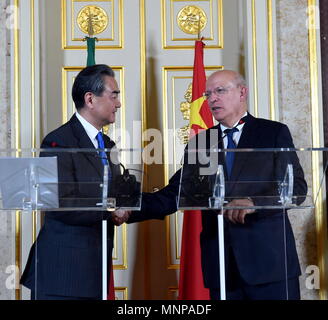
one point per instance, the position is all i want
(39, 184)
(272, 179)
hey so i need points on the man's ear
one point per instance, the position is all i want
(243, 94)
(88, 99)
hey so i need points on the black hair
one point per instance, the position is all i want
(90, 79)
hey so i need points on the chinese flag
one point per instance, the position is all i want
(111, 293)
(191, 286)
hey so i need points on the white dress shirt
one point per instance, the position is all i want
(236, 135)
(90, 129)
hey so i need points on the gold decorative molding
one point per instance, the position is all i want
(192, 19)
(183, 133)
(114, 38)
(88, 24)
(66, 115)
(92, 20)
(271, 61)
(33, 107)
(186, 20)
(106, 129)
(124, 264)
(256, 111)
(17, 112)
(167, 109)
(123, 291)
(143, 85)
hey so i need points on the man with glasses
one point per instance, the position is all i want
(65, 263)
(261, 258)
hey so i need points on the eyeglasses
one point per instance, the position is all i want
(219, 91)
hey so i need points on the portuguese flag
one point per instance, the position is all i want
(191, 286)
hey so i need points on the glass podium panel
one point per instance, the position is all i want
(245, 212)
(68, 198)
(55, 214)
(272, 179)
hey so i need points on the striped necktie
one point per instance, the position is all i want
(230, 156)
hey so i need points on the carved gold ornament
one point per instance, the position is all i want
(105, 130)
(183, 133)
(92, 20)
(192, 19)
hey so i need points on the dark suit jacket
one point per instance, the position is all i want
(69, 245)
(258, 245)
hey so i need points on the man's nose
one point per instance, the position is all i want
(212, 98)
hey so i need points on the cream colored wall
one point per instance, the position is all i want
(295, 111)
(294, 108)
(6, 235)
(5, 77)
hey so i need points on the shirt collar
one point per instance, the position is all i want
(88, 127)
(236, 125)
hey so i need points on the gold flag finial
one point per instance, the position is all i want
(90, 24)
(199, 27)
(92, 20)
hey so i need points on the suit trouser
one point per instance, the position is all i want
(238, 289)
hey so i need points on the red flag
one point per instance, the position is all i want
(111, 293)
(191, 285)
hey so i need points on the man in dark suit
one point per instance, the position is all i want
(261, 258)
(66, 260)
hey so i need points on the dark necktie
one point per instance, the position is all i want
(230, 156)
(103, 155)
(101, 145)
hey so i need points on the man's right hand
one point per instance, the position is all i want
(120, 216)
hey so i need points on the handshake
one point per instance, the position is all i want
(120, 216)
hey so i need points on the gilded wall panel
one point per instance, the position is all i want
(101, 18)
(116, 133)
(121, 293)
(176, 106)
(183, 22)
(7, 230)
(295, 110)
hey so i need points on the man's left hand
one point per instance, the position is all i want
(238, 215)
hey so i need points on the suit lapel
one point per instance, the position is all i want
(84, 142)
(217, 143)
(221, 156)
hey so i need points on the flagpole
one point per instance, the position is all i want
(199, 35)
(91, 40)
(221, 255)
(220, 229)
(92, 61)
(191, 280)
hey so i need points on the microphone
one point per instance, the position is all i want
(125, 188)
